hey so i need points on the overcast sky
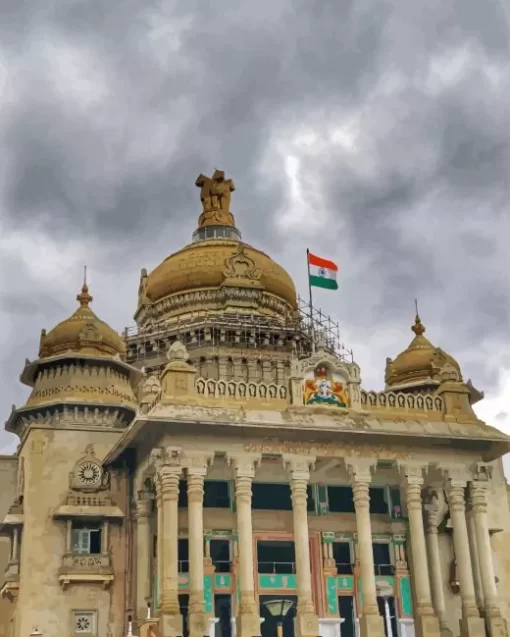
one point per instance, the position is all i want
(374, 132)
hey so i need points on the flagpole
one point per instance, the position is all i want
(310, 300)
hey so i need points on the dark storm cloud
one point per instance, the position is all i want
(112, 109)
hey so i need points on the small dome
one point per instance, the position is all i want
(420, 364)
(83, 332)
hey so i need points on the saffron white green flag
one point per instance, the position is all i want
(322, 272)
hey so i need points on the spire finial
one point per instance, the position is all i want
(418, 327)
(84, 297)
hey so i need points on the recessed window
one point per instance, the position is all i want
(183, 555)
(340, 500)
(84, 622)
(276, 557)
(216, 494)
(86, 538)
(274, 497)
(378, 500)
(220, 555)
(382, 558)
(183, 495)
(343, 558)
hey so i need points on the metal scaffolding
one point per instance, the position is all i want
(300, 334)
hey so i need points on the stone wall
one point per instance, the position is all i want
(49, 458)
(8, 480)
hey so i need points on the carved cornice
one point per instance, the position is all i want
(63, 416)
(212, 299)
(82, 383)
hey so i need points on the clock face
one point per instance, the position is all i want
(89, 473)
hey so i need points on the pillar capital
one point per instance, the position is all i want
(244, 464)
(197, 463)
(360, 469)
(165, 456)
(456, 476)
(413, 471)
(298, 466)
(143, 505)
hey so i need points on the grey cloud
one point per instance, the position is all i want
(198, 86)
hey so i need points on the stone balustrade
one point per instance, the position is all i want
(426, 403)
(86, 568)
(240, 390)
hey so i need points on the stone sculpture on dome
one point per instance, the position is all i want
(215, 193)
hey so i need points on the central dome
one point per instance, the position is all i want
(217, 272)
(206, 265)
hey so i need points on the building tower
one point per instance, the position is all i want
(63, 521)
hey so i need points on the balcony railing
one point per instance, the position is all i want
(78, 568)
(384, 569)
(277, 568)
(343, 568)
(10, 587)
(222, 566)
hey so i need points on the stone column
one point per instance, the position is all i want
(143, 553)
(371, 623)
(475, 559)
(248, 618)
(196, 470)
(496, 624)
(426, 621)
(435, 565)
(159, 540)
(15, 544)
(471, 625)
(167, 489)
(306, 623)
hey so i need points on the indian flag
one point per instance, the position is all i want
(322, 272)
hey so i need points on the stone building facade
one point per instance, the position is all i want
(221, 463)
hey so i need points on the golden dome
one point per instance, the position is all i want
(213, 263)
(83, 332)
(420, 364)
(217, 261)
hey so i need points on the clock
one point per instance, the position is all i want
(89, 474)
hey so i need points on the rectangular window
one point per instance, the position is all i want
(382, 558)
(276, 557)
(395, 503)
(378, 500)
(86, 538)
(275, 497)
(311, 502)
(220, 555)
(183, 555)
(183, 495)
(343, 558)
(216, 494)
(340, 499)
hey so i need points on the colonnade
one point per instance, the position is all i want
(430, 611)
